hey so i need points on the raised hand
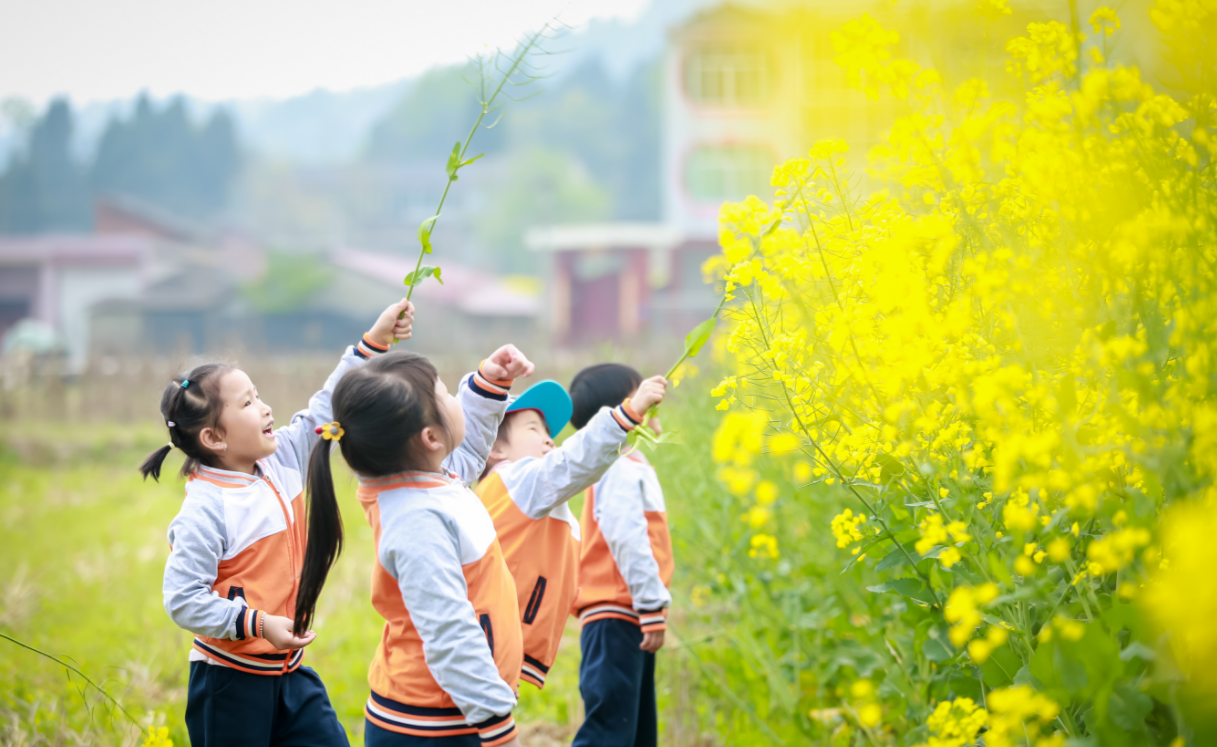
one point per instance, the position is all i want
(650, 393)
(388, 328)
(507, 363)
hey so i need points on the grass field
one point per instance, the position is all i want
(82, 550)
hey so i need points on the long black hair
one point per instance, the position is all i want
(381, 407)
(601, 385)
(187, 411)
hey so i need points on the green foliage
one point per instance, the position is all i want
(44, 188)
(160, 156)
(421, 274)
(290, 281)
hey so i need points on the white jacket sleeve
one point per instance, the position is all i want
(197, 538)
(621, 503)
(296, 439)
(484, 403)
(538, 486)
(421, 549)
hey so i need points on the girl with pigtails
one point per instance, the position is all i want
(448, 665)
(238, 547)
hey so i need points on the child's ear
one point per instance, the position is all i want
(498, 452)
(432, 438)
(211, 439)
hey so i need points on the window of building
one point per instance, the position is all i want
(727, 74)
(730, 172)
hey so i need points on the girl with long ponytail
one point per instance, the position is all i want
(448, 666)
(232, 577)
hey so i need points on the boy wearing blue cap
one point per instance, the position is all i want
(525, 488)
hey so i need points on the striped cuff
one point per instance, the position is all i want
(490, 388)
(653, 621)
(534, 671)
(497, 730)
(625, 416)
(249, 623)
(368, 348)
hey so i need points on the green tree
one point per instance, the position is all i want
(44, 188)
(163, 158)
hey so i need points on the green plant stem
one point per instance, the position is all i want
(72, 668)
(487, 105)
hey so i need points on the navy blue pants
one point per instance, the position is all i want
(375, 736)
(617, 680)
(229, 708)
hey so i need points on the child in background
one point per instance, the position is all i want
(236, 546)
(526, 490)
(624, 572)
(448, 665)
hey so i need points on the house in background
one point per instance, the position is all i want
(744, 89)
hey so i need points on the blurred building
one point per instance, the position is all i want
(744, 88)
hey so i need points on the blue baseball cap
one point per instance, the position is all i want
(551, 400)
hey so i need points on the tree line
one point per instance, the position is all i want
(158, 155)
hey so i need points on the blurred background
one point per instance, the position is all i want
(175, 183)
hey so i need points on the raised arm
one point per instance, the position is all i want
(421, 550)
(296, 439)
(538, 486)
(483, 399)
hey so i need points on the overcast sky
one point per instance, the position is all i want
(219, 49)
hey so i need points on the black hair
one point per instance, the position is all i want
(380, 407)
(604, 384)
(187, 411)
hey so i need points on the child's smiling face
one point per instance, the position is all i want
(246, 423)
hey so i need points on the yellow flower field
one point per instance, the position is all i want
(999, 363)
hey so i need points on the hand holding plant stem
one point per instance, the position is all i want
(694, 341)
(489, 92)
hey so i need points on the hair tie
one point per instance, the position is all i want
(171, 446)
(170, 423)
(331, 431)
(185, 383)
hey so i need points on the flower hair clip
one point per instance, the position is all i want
(331, 431)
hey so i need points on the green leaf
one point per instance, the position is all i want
(897, 557)
(772, 227)
(909, 587)
(1072, 672)
(454, 161)
(421, 274)
(698, 337)
(463, 164)
(1000, 668)
(424, 232)
(937, 646)
(1128, 706)
(1136, 649)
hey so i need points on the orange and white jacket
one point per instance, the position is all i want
(539, 534)
(448, 663)
(626, 564)
(238, 542)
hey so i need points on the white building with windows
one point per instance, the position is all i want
(743, 90)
